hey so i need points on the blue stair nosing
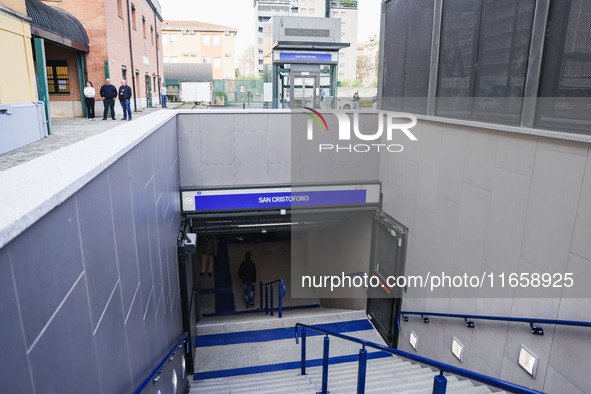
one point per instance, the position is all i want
(275, 334)
(252, 311)
(224, 373)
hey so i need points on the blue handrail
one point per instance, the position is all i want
(269, 295)
(158, 370)
(439, 383)
(469, 323)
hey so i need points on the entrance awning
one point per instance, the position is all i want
(317, 46)
(57, 26)
(279, 208)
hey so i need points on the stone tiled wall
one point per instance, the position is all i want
(261, 147)
(90, 292)
(492, 201)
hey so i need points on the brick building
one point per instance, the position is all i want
(116, 29)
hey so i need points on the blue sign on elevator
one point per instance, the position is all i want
(307, 57)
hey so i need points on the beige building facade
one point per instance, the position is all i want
(199, 42)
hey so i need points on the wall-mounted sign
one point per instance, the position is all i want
(305, 57)
(218, 200)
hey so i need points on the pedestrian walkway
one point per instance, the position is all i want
(64, 132)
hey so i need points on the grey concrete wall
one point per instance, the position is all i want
(259, 147)
(483, 200)
(21, 124)
(344, 248)
(90, 291)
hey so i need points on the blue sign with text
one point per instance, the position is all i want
(307, 57)
(225, 202)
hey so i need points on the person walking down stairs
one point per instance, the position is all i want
(248, 273)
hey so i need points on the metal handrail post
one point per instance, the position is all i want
(261, 295)
(439, 383)
(280, 295)
(271, 296)
(325, 365)
(303, 351)
(266, 300)
(361, 372)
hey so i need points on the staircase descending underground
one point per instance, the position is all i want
(248, 354)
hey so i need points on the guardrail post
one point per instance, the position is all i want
(325, 365)
(361, 371)
(439, 384)
(303, 351)
(261, 296)
(280, 295)
(271, 296)
(266, 300)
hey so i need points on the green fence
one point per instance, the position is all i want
(238, 91)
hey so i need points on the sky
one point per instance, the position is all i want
(240, 14)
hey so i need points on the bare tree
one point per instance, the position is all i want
(363, 68)
(247, 64)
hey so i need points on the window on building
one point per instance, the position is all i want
(174, 59)
(124, 72)
(217, 40)
(217, 63)
(407, 45)
(164, 39)
(312, 10)
(206, 39)
(565, 81)
(119, 8)
(133, 19)
(483, 59)
(58, 81)
(152, 34)
(165, 59)
(206, 60)
(173, 39)
(144, 25)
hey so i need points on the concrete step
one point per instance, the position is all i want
(384, 375)
(260, 321)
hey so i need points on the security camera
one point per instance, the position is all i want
(189, 243)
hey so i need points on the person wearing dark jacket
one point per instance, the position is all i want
(108, 92)
(124, 99)
(248, 273)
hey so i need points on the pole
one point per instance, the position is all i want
(303, 366)
(361, 371)
(325, 365)
(131, 57)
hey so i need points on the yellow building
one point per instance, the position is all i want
(22, 118)
(199, 42)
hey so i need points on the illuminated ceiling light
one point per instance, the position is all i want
(528, 361)
(457, 349)
(414, 339)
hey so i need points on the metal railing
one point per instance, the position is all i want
(269, 295)
(468, 319)
(440, 381)
(154, 376)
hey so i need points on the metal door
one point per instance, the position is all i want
(148, 91)
(387, 260)
(304, 90)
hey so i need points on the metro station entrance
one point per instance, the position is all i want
(305, 78)
(290, 231)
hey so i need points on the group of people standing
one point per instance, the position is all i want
(109, 93)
